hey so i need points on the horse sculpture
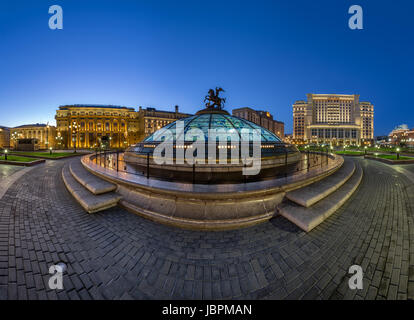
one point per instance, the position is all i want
(213, 99)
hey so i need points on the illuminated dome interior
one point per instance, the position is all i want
(206, 121)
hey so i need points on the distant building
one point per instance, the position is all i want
(288, 138)
(43, 133)
(151, 119)
(4, 137)
(31, 144)
(382, 140)
(336, 119)
(262, 118)
(402, 136)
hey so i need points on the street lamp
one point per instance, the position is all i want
(398, 153)
(365, 150)
(5, 154)
(50, 150)
(74, 128)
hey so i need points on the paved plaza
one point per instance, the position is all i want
(7, 170)
(118, 255)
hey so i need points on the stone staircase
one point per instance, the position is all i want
(307, 207)
(92, 193)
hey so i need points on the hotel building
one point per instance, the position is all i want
(44, 135)
(334, 119)
(262, 118)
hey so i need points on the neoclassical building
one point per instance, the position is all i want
(4, 137)
(43, 133)
(151, 119)
(336, 119)
(89, 126)
(402, 136)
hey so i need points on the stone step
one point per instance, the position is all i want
(91, 182)
(309, 218)
(311, 194)
(90, 202)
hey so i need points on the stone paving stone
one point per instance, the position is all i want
(118, 255)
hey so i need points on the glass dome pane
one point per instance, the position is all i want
(199, 122)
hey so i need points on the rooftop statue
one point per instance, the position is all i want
(213, 99)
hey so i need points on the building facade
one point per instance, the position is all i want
(4, 138)
(334, 119)
(151, 119)
(262, 118)
(44, 134)
(402, 136)
(90, 126)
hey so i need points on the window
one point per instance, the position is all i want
(346, 133)
(320, 133)
(354, 134)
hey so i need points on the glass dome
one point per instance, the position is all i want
(275, 155)
(207, 121)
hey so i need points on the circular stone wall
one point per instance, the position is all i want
(206, 207)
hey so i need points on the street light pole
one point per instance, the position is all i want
(74, 133)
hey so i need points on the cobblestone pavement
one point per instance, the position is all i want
(7, 170)
(118, 255)
(409, 167)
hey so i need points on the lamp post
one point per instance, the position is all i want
(365, 150)
(5, 154)
(50, 150)
(398, 153)
(74, 128)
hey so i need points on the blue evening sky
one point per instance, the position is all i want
(265, 54)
